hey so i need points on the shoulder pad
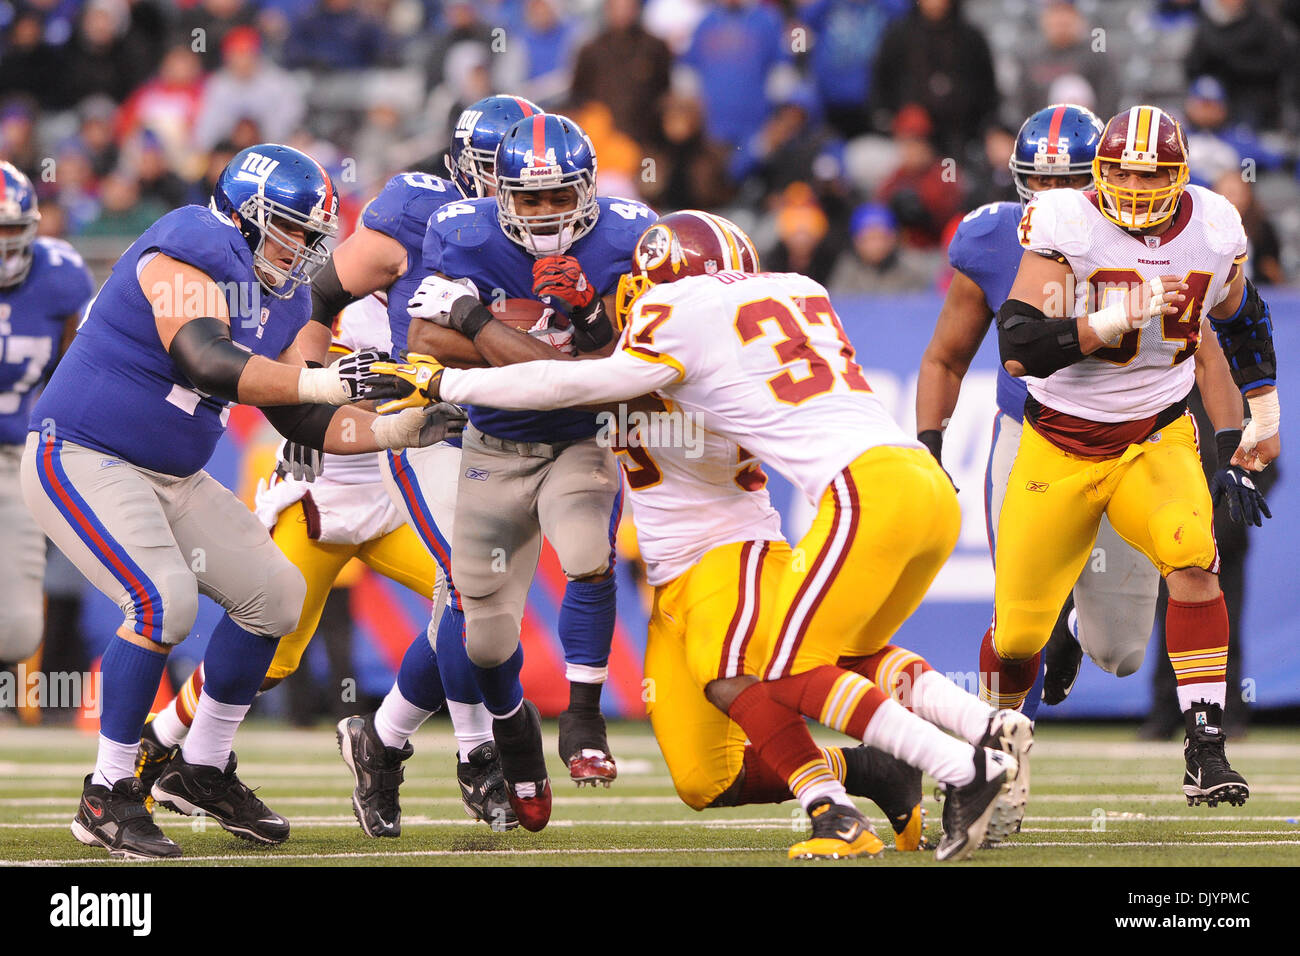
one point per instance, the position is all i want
(987, 218)
(1058, 220)
(206, 240)
(1224, 233)
(413, 195)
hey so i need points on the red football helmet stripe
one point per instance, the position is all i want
(1054, 130)
(523, 105)
(539, 139)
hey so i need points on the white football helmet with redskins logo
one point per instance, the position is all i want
(686, 243)
(1144, 139)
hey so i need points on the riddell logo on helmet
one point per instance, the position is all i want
(530, 173)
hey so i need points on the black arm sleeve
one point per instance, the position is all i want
(1040, 344)
(328, 297)
(203, 351)
(1247, 341)
(305, 424)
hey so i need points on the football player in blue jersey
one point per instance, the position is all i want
(43, 287)
(546, 236)
(113, 473)
(1114, 600)
(383, 255)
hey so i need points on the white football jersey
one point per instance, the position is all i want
(1147, 370)
(691, 490)
(763, 360)
(363, 324)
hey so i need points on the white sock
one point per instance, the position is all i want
(1215, 692)
(168, 727)
(114, 761)
(212, 734)
(921, 744)
(472, 725)
(397, 719)
(833, 789)
(940, 701)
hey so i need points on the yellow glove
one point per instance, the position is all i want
(412, 383)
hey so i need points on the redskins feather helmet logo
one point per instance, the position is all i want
(657, 247)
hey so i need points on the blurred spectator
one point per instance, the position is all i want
(97, 134)
(990, 180)
(1214, 147)
(876, 263)
(1243, 46)
(934, 58)
(217, 160)
(793, 145)
(549, 38)
(846, 36)
(18, 137)
(99, 58)
(25, 57)
(674, 21)
(203, 26)
(167, 103)
(145, 159)
(247, 87)
(74, 178)
(689, 171)
(923, 193)
(463, 27)
(802, 231)
(123, 212)
(739, 51)
(620, 156)
(336, 35)
(627, 69)
(1063, 47)
(1264, 265)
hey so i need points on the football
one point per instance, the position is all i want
(521, 314)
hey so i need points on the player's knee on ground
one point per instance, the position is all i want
(1182, 537)
(491, 633)
(699, 789)
(274, 610)
(20, 632)
(179, 590)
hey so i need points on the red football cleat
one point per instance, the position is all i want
(592, 767)
(533, 812)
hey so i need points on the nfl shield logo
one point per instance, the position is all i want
(1200, 719)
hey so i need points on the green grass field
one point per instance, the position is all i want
(1098, 798)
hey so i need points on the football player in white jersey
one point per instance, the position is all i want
(1117, 290)
(762, 359)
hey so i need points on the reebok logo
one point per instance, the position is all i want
(1039, 486)
(76, 909)
(477, 474)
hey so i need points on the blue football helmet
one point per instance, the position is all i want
(18, 219)
(1059, 140)
(471, 160)
(271, 186)
(538, 154)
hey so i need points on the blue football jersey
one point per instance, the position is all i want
(986, 249)
(401, 211)
(118, 391)
(32, 314)
(465, 241)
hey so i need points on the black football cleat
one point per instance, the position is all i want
(197, 789)
(151, 760)
(483, 788)
(1062, 657)
(528, 786)
(584, 748)
(980, 809)
(1209, 778)
(377, 773)
(893, 786)
(117, 820)
(1012, 733)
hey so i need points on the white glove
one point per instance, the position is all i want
(434, 298)
(419, 427)
(340, 383)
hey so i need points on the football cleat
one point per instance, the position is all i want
(117, 820)
(483, 788)
(894, 786)
(1062, 657)
(1209, 778)
(1012, 733)
(839, 832)
(377, 774)
(151, 760)
(528, 786)
(197, 789)
(584, 748)
(981, 808)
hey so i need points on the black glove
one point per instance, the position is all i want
(441, 422)
(300, 462)
(932, 439)
(1246, 505)
(353, 370)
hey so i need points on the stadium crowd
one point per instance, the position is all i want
(848, 136)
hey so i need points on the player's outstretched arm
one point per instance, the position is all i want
(962, 324)
(201, 346)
